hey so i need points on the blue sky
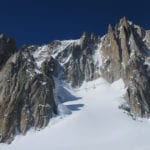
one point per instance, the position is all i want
(41, 21)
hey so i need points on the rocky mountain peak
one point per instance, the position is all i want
(84, 35)
(2, 36)
(84, 40)
(124, 53)
(7, 48)
(93, 37)
(110, 28)
(124, 22)
(28, 77)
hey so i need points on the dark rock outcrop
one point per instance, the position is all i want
(7, 48)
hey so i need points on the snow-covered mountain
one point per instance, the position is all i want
(89, 120)
(39, 83)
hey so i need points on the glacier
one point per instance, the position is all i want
(94, 122)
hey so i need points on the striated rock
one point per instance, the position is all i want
(124, 52)
(80, 55)
(26, 98)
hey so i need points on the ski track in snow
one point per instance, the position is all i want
(95, 123)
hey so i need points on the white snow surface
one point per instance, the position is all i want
(97, 57)
(41, 54)
(45, 52)
(95, 123)
(64, 44)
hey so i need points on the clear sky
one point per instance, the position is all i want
(41, 21)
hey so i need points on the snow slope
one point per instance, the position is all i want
(95, 123)
(45, 52)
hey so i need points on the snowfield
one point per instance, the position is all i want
(94, 122)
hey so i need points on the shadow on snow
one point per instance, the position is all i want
(64, 96)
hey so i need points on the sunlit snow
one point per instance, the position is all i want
(95, 123)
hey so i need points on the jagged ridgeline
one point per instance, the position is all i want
(28, 76)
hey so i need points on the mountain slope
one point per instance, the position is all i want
(125, 52)
(95, 123)
(30, 79)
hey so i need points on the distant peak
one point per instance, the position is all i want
(2, 36)
(110, 28)
(123, 19)
(124, 22)
(93, 36)
(85, 34)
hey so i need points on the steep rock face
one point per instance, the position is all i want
(124, 50)
(118, 54)
(7, 48)
(75, 60)
(26, 97)
(79, 60)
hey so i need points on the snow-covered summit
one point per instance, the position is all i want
(42, 53)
